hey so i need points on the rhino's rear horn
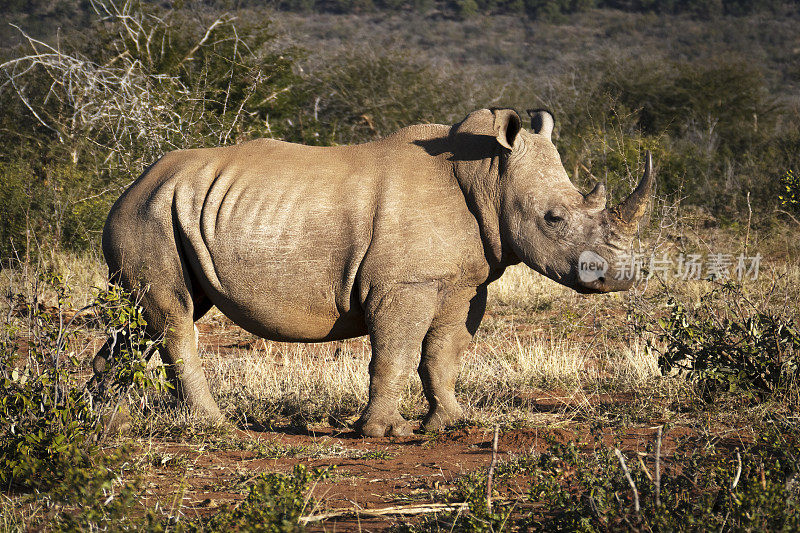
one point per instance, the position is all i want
(633, 207)
(596, 199)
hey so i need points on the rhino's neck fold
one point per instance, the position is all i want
(480, 183)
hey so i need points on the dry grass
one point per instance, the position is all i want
(302, 382)
(81, 273)
(523, 289)
(500, 378)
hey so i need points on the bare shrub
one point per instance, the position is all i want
(150, 83)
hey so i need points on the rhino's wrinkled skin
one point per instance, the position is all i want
(396, 238)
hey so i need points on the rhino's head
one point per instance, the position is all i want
(570, 237)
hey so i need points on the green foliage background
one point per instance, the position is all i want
(123, 82)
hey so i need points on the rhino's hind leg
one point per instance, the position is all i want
(450, 334)
(171, 300)
(171, 306)
(186, 370)
(100, 382)
(171, 316)
(398, 319)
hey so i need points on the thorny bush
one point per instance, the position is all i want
(727, 343)
(699, 488)
(50, 424)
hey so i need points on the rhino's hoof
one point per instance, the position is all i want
(208, 413)
(439, 419)
(396, 428)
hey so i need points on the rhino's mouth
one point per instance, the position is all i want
(603, 284)
(581, 289)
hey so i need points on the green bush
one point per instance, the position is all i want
(467, 8)
(20, 198)
(90, 495)
(704, 8)
(50, 205)
(718, 102)
(125, 326)
(727, 343)
(479, 517)
(52, 425)
(45, 421)
(49, 424)
(274, 503)
(111, 98)
(585, 488)
(82, 120)
(366, 95)
(713, 130)
(699, 489)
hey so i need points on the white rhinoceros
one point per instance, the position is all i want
(396, 238)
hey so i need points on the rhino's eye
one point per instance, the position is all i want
(555, 216)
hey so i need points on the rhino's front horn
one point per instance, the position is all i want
(632, 208)
(596, 199)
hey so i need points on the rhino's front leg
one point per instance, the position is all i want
(398, 318)
(451, 332)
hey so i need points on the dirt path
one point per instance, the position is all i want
(369, 474)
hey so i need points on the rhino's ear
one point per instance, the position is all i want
(542, 122)
(506, 126)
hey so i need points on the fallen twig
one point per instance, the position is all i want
(397, 510)
(630, 479)
(491, 470)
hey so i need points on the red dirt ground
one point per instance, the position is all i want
(371, 473)
(401, 471)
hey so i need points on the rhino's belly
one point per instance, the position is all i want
(277, 252)
(281, 322)
(295, 292)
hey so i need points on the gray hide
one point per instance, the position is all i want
(396, 238)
